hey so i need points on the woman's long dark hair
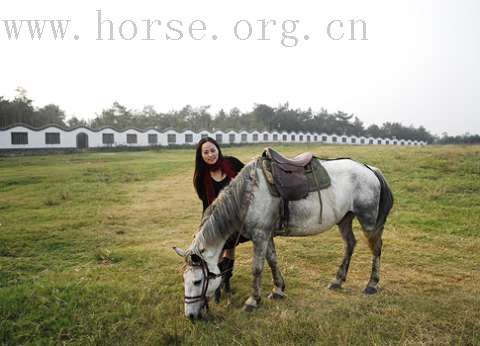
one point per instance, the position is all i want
(201, 167)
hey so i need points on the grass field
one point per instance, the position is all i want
(86, 258)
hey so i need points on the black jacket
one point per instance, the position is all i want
(237, 166)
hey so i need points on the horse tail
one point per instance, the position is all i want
(385, 203)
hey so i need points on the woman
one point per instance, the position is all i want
(213, 172)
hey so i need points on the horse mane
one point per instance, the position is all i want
(225, 215)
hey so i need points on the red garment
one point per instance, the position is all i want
(226, 168)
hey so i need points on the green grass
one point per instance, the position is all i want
(86, 258)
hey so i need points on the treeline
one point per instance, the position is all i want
(262, 117)
(461, 139)
(21, 110)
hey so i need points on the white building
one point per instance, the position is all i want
(21, 137)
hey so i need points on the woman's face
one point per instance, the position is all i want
(209, 153)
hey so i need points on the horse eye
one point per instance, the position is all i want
(197, 283)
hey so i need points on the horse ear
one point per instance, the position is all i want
(179, 251)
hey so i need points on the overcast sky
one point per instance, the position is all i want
(419, 64)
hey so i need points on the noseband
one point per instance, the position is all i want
(207, 276)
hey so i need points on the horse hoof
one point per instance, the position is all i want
(276, 295)
(370, 290)
(249, 308)
(251, 304)
(335, 286)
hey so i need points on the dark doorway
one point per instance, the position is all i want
(82, 141)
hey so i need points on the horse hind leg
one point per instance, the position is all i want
(375, 243)
(345, 227)
(373, 233)
(278, 281)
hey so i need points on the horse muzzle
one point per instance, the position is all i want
(194, 314)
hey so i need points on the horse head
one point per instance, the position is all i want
(201, 279)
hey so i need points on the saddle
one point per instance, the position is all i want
(300, 160)
(288, 175)
(293, 179)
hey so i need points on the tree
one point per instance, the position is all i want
(117, 116)
(263, 116)
(373, 131)
(343, 124)
(235, 118)
(193, 118)
(5, 119)
(221, 120)
(75, 122)
(51, 114)
(357, 127)
(21, 110)
(286, 118)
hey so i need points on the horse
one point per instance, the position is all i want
(247, 206)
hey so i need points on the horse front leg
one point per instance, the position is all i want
(259, 252)
(279, 283)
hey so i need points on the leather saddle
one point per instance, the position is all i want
(288, 175)
(292, 180)
(300, 160)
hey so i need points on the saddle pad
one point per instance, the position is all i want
(317, 176)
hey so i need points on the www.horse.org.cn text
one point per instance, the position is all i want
(287, 32)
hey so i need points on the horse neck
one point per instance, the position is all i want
(211, 252)
(225, 219)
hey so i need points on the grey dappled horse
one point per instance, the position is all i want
(247, 206)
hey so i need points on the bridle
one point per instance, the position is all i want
(207, 276)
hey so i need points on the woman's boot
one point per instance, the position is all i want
(226, 267)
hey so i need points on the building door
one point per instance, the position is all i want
(82, 141)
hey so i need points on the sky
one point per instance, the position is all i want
(418, 63)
